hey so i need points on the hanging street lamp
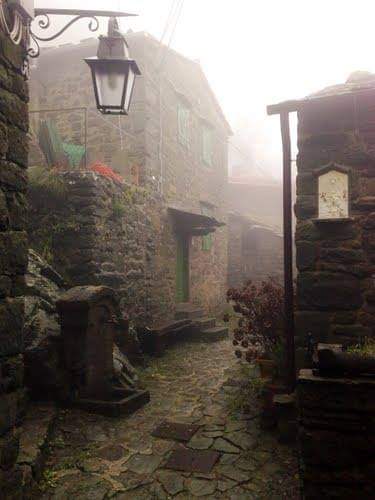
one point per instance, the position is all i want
(113, 72)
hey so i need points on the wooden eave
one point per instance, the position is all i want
(299, 104)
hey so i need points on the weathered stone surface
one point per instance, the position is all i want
(13, 257)
(328, 291)
(172, 482)
(224, 446)
(233, 473)
(178, 384)
(306, 255)
(143, 464)
(200, 487)
(200, 443)
(11, 326)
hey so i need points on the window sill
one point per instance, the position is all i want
(341, 220)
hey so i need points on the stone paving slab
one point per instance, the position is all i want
(95, 457)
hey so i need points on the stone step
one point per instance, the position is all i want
(188, 311)
(204, 323)
(214, 334)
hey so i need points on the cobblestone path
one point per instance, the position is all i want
(94, 457)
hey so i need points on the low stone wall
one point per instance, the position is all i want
(336, 436)
(103, 234)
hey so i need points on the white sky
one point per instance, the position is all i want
(258, 52)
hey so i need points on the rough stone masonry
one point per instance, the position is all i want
(13, 252)
(335, 259)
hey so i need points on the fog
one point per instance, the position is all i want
(256, 53)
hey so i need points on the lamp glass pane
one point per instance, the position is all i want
(110, 80)
(129, 88)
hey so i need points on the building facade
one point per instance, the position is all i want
(172, 149)
(255, 251)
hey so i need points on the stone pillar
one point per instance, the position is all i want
(13, 254)
(336, 436)
(87, 326)
(336, 257)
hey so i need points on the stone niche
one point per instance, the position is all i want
(89, 318)
(333, 192)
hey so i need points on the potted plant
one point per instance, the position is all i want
(259, 333)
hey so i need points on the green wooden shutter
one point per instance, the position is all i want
(207, 146)
(183, 124)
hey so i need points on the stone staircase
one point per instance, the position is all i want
(204, 329)
(190, 324)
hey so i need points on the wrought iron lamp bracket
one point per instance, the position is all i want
(44, 22)
(19, 27)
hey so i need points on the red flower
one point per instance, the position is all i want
(105, 171)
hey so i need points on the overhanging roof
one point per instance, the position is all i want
(337, 92)
(194, 223)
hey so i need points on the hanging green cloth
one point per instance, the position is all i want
(74, 153)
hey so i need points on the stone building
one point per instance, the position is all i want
(13, 254)
(255, 251)
(255, 243)
(335, 214)
(167, 243)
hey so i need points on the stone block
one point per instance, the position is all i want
(306, 184)
(353, 333)
(342, 255)
(17, 210)
(11, 326)
(306, 207)
(13, 252)
(5, 286)
(306, 255)
(324, 291)
(369, 221)
(4, 215)
(3, 139)
(344, 318)
(17, 146)
(307, 231)
(9, 448)
(13, 372)
(14, 109)
(8, 411)
(12, 176)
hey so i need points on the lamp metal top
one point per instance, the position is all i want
(83, 13)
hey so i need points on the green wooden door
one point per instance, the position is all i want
(182, 270)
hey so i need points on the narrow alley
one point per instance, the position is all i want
(96, 457)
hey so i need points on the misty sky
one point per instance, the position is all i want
(258, 52)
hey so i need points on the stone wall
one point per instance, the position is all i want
(336, 437)
(254, 252)
(335, 260)
(108, 234)
(13, 253)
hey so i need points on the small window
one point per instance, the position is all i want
(207, 145)
(207, 242)
(183, 124)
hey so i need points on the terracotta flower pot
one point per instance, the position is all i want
(267, 368)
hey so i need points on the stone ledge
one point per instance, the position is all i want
(35, 433)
